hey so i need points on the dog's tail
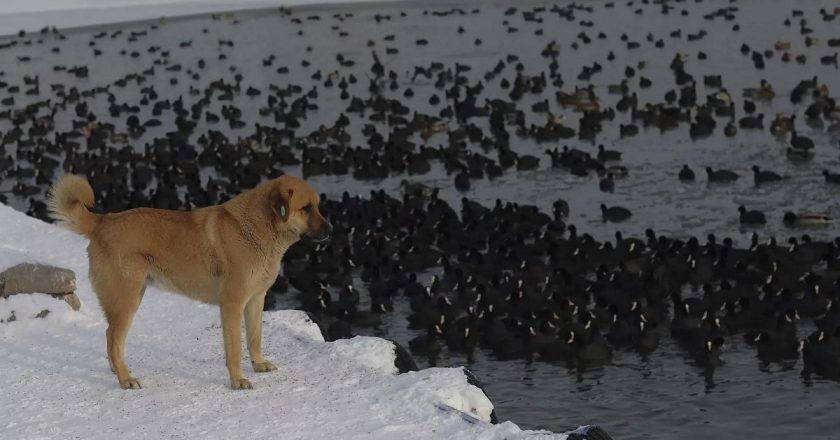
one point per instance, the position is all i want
(69, 200)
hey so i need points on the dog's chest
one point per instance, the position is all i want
(265, 273)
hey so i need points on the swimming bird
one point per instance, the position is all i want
(805, 219)
(831, 177)
(760, 176)
(796, 141)
(751, 217)
(721, 176)
(686, 174)
(614, 213)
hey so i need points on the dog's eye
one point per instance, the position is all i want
(307, 208)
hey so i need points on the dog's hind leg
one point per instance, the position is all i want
(253, 331)
(119, 296)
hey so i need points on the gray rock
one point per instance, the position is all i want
(37, 278)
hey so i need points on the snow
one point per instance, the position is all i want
(56, 383)
(32, 15)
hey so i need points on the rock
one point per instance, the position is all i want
(38, 278)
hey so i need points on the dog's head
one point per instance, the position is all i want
(296, 206)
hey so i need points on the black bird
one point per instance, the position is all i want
(796, 141)
(751, 217)
(614, 213)
(721, 176)
(607, 155)
(831, 177)
(686, 174)
(760, 176)
(708, 353)
(462, 180)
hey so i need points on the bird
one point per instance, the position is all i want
(760, 176)
(805, 219)
(686, 174)
(831, 177)
(608, 155)
(796, 141)
(614, 214)
(751, 217)
(721, 176)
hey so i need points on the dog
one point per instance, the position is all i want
(226, 254)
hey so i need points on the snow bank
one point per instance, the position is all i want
(31, 15)
(56, 383)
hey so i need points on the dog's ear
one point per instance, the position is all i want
(280, 202)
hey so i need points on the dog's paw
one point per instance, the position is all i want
(241, 384)
(130, 384)
(263, 367)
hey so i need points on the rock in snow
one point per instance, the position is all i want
(56, 383)
(36, 278)
(32, 278)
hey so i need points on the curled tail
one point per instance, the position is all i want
(68, 202)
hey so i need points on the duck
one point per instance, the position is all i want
(614, 214)
(462, 180)
(686, 174)
(831, 177)
(780, 125)
(796, 141)
(527, 162)
(721, 176)
(730, 130)
(708, 353)
(763, 93)
(751, 217)
(607, 184)
(820, 354)
(792, 219)
(607, 155)
(428, 343)
(590, 345)
(760, 177)
(752, 122)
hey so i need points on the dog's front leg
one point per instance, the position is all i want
(231, 329)
(253, 331)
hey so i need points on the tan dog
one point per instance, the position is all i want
(227, 254)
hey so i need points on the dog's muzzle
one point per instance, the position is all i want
(322, 234)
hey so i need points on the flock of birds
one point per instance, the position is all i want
(524, 284)
(509, 278)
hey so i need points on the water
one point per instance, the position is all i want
(660, 396)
